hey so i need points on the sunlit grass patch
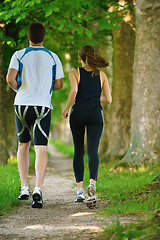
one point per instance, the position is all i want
(128, 190)
(145, 229)
(9, 186)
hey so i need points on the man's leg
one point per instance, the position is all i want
(40, 164)
(41, 133)
(23, 162)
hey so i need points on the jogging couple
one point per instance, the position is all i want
(34, 73)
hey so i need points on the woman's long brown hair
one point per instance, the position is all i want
(94, 60)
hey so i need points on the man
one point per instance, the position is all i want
(34, 73)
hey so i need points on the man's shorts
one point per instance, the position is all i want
(37, 117)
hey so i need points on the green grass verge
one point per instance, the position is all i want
(125, 191)
(10, 183)
(9, 186)
(148, 229)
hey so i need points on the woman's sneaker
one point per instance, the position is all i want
(79, 196)
(91, 190)
(24, 194)
(37, 201)
(91, 199)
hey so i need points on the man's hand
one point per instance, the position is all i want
(58, 84)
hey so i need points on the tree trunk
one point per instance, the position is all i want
(145, 127)
(3, 136)
(108, 55)
(119, 122)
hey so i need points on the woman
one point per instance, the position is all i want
(87, 82)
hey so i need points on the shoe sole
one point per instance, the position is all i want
(37, 205)
(23, 197)
(36, 197)
(91, 204)
(79, 200)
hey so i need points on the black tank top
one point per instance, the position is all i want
(89, 89)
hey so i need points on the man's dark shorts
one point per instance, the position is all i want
(38, 117)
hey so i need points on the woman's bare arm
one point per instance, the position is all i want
(107, 98)
(72, 94)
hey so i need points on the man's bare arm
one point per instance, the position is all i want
(11, 78)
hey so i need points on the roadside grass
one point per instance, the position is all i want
(148, 229)
(9, 186)
(10, 183)
(125, 191)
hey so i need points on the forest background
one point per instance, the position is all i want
(127, 34)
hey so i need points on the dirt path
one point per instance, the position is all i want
(60, 218)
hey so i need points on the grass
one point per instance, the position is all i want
(9, 187)
(10, 183)
(63, 147)
(125, 191)
(148, 229)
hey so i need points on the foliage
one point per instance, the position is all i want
(69, 24)
(68, 18)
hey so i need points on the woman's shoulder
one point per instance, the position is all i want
(103, 75)
(75, 71)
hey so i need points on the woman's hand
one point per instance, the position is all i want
(65, 113)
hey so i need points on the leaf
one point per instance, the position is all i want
(18, 19)
(56, 9)
(49, 12)
(61, 26)
(88, 33)
(80, 31)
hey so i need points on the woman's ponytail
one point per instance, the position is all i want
(94, 60)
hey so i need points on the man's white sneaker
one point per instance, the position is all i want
(79, 196)
(24, 194)
(37, 201)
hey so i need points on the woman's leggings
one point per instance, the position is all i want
(91, 118)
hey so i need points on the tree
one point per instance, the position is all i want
(118, 115)
(3, 138)
(145, 116)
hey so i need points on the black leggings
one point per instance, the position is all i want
(90, 117)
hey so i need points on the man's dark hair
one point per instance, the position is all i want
(36, 32)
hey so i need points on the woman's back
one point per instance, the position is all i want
(89, 88)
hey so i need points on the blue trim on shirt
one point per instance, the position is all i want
(53, 77)
(19, 79)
